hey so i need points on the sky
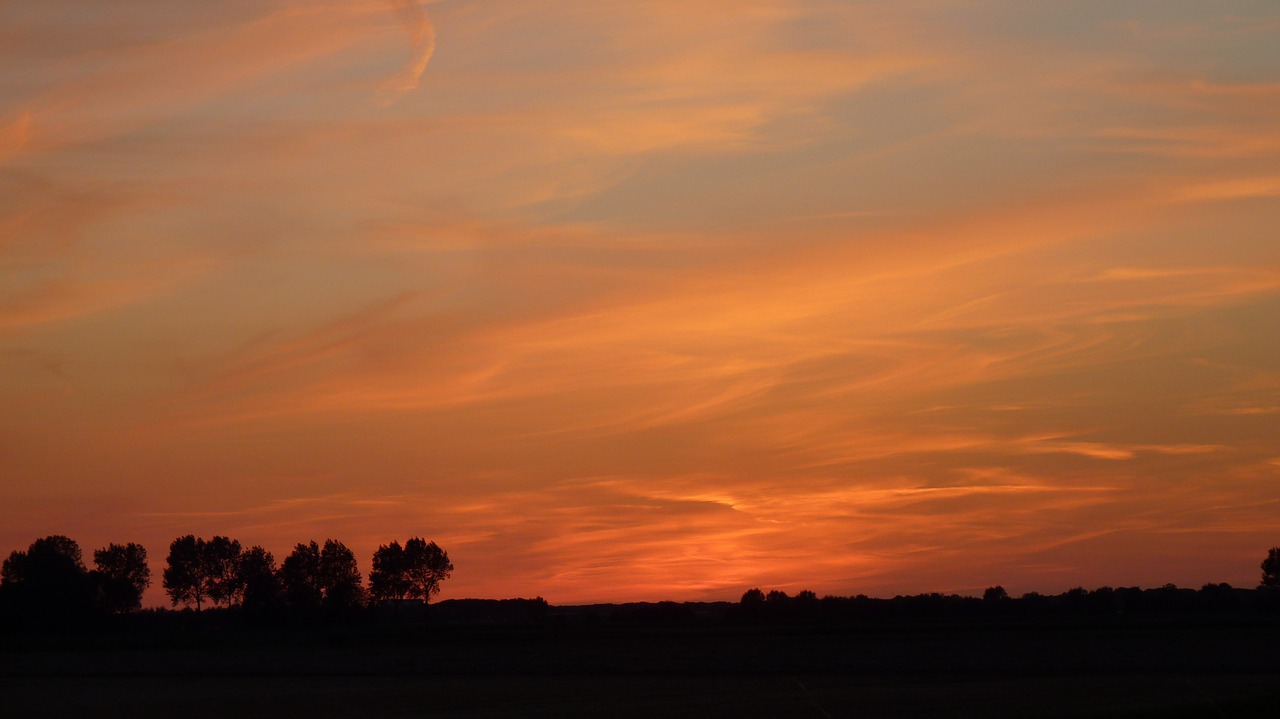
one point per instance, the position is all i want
(649, 300)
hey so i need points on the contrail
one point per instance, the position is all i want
(422, 36)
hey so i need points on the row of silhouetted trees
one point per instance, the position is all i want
(313, 576)
(50, 579)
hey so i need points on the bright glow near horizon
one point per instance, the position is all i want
(650, 300)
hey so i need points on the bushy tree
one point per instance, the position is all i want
(184, 576)
(388, 578)
(300, 577)
(1271, 569)
(122, 575)
(259, 579)
(428, 565)
(198, 570)
(313, 576)
(14, 569)
(413, 571)
(49, 561)
(57, 549)
(221, 558)
(339, 576)
(49, 580)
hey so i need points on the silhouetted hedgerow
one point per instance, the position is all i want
(1168, 600)
(48, 588)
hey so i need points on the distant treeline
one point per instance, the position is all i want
(779, 608)
(995, 602)
(48, 583)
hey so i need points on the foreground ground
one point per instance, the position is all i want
(1094, 669)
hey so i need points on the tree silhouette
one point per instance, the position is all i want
(428, 565)
(57, 548)
(184, 577)
(47, 560)
(388, 579)
(339, 576)
(413, 571)
(752, 598)
(995, 594)
(221, 559)
(1271, 569)
(313, 576)
(14, 569)
(300, 576)
(199, 570)
(259, 579)
(49, 580)
(123, 575)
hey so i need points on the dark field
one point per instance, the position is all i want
(1094, 669)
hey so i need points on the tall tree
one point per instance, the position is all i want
(123, 576)
(339, 576)
(221, 558)
(300, 575)
(259, 579)
(184, 577)
(426, 566)
(388, 579)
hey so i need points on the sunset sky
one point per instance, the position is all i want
(649, 299)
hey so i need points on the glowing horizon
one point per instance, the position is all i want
(644, 300)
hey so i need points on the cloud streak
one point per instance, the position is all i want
(422, 40)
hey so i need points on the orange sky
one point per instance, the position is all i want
(650, 300)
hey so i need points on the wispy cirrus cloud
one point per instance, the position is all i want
(422, 38)
(1235, 189)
